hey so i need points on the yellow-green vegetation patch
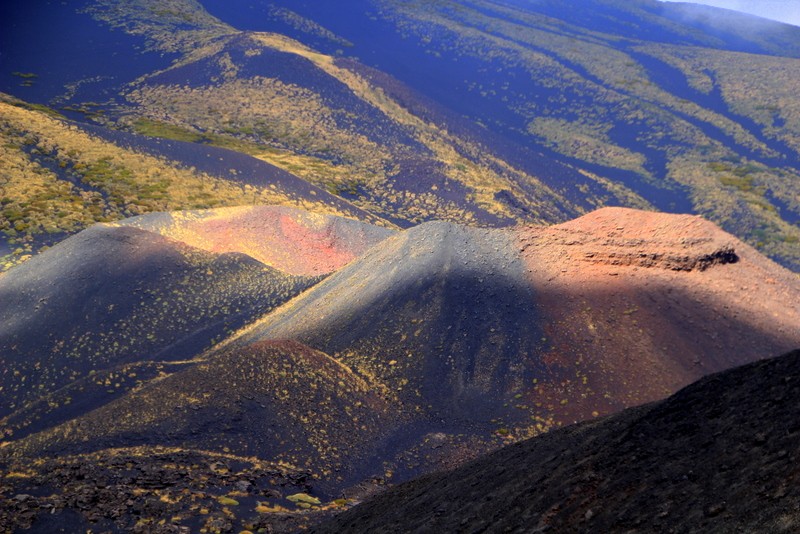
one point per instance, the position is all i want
(263, 508)
(733, 193)
(7, 99)
(587, 141)
(153, 128)
(264, 111)
(28, 78)
(301, 499)
(168, 25)
(739, 176)
(164, 130)
(336, 179)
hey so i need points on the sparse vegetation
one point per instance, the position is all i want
(58, 180)
(179, 330)
(600, 103)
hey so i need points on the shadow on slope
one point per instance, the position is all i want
(441, 313)
(111, 296)
(529, 329)
(720, 455)
(67, 55)
(275, 400)
(447, 342)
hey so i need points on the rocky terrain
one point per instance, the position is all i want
(435, 345)
(719, 456)
(529, 328)
(662, 298)
(116, 305)
(262, 260)
(145, 489)
(109, 297)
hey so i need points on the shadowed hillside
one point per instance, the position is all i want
(113, 296)
(719, 456)
(194, 443)
(532, 328)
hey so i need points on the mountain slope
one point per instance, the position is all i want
(440, 312)
(61, 177)
(331, 123)
(486, 112)
(536, 327)
(617, 91)
(666, 299)
(277, 400)
(113, 296)
(233, 365)
(718, 456)
(438, 344)
(668, 102)
(250, 438)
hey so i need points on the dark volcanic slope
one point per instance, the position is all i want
(111, 296)
(719, 456)
(440, 312)
(291, 240)
(272, 400)
(536, 327)
(225, 443)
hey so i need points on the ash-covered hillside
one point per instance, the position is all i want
(432, 346)
(719, 456)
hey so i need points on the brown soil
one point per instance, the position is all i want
(643, 303)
